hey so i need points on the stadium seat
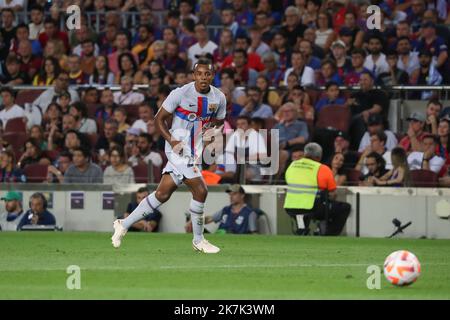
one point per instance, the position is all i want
(27, 96)
(132, 112)
(36, 172)
(51, 154)
(16, 125)
(353, 176)
(15, 139)
(92, 137)
(424, 179)
(334, 116)
(313, 95)
(141, 173)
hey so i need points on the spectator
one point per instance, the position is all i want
(428, 159)
(408, 59)
(263, 21)
(13, 76)
(131, 140)
(69, 123)
(126, 94)
(89, 52)
(110, 135)
(9, 172)
(84, 123)
(272, 70)
(37, 133)
(337, 167)
(106, 110)
(122, 45)
(30, 63)
(225, 48)
(229, 22)
(233, 109)
(292, 131)
(399, 175)
(297, 152)
(444, 139)
(342, 144)
(61, 84)
(227, 77)
(300, 98)
(434, 108)
(48, 73)
(8, 31)
(293, 27)
(172, 61)
(257, 45)
(269, 97)
(343, 63)
(426, 75)
(394, 76)
(151, 222)
(376, 60)
(324, 32)
(52, 32)
(72, 140)
(145, 115)
(328, 73)
(38, 213)
(52, 125)
(119, 172)
(415, 134)
(90, 97)
(203, 45)
(377, 144)
(254, 106)
(305, 47)
(64, 101)
(56, 172)
(375, 124)
(253, 60)
(436, 46)
(248, 142)
(207, 15)
(237, 218)
(144, 144)
(244, 15)
(185, 7)
(120, 115)
(101, 73)
(244, 75)
(10, 219)
(304, 73)
(142, 49)
(82, 170)
(375, 164)
(36, 26)
(10, 109)
(282, 50)
(128, 68)
(32, 155)
(364, 103)
(332, 93)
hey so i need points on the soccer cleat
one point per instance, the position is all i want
(119, 233)
(205, 247)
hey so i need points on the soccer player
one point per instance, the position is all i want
(195, 107)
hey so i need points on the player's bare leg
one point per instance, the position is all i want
(199, 193)
(165, 189)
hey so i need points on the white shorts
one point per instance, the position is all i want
(180, 168)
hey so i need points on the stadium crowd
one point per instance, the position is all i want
(280, 64)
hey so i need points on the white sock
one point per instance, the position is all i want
(198, 219)
(144, 208)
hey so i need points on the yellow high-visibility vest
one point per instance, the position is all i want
(301, 178)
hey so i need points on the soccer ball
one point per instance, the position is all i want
(401, 268)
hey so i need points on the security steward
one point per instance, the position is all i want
(311, 190)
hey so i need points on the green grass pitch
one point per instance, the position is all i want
(163, 266)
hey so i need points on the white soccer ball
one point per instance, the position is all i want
(401, 268)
